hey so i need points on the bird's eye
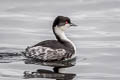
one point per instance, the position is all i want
(66, 22)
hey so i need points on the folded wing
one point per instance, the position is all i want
(45, 53)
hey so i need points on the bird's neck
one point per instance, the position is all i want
(61, 37)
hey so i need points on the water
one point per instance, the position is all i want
(27, 22)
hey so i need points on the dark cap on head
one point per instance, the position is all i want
(61, 20)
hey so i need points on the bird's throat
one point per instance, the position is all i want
(61, 37)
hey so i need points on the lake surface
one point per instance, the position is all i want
(97, 37)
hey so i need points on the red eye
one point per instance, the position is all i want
(66, 22)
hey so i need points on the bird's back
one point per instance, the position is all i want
(54, 44)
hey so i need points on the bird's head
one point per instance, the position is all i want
(62, 23)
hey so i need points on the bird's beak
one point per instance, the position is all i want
(72, 24)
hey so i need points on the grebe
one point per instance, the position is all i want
(54, 50)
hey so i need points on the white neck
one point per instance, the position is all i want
(59, 31)
(61, 34)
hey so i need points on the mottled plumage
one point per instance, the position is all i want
(50, 50)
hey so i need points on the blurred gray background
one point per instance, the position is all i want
(97, 37)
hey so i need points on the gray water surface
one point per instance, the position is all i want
(97, 37)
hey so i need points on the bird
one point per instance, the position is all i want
(54, 50)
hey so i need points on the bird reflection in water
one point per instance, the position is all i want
(55, 74)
